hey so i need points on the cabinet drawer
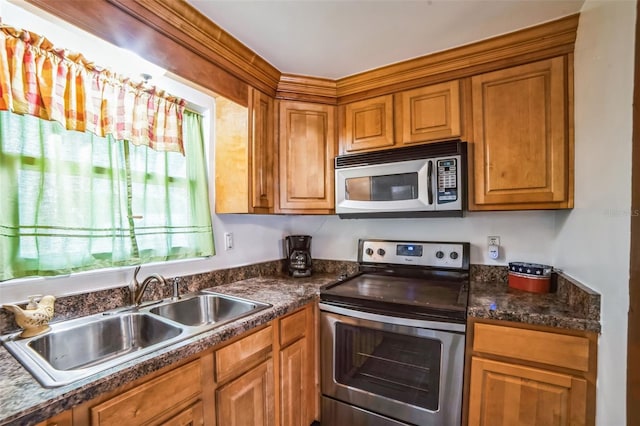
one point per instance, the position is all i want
(63, 419)
(243, 354)
(538, 346)
(192, 415)
(143, 403)
(293, 327)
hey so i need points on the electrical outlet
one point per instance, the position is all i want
(228, 240)
(493, 241)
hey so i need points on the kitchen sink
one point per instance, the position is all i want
(97, 342)
(207, 309)
(81, 347)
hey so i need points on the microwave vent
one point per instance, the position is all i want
(436, 149)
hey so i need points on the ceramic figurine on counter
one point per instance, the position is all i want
(34, 318)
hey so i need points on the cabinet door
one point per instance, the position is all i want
(231, 157)
(247, 400)
(368, 125)
(262, 153)
(503, 394)
(245, 155)
(307, 149)
(521, 148)
(429, 113)
(190, 416)
(294, 387)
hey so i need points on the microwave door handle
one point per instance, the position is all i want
(430, 182)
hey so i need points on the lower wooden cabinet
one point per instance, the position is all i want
(265, 377)
(170, 399)
(522, 376)
(63, 419)
(248, 400)
(190, 416)
(298, 387)
(509, 394)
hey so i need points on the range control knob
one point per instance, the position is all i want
(369, 251)
(439, 254)
(381, 252)
(454, 255)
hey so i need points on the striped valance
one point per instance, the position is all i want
(39, 79)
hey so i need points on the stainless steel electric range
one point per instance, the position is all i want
(393, 336)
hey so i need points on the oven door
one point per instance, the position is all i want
(409, 372)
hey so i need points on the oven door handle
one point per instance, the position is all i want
(408, 322)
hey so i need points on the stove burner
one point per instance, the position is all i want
(423, 280)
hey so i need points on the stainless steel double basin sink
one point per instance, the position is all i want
(79, 348)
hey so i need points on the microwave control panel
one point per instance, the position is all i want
(447, 169)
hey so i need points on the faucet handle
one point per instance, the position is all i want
(135, 274)
(134, 285)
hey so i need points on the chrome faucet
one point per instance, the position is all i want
(137, 289)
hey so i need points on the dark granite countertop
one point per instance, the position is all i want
(24, 401)
(571, 306)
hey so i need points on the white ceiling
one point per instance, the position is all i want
(338, 38)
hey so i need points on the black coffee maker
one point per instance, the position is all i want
(298, 249)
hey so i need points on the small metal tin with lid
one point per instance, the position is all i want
(531, 277)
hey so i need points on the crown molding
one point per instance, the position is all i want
(174, 35)
(215, 59)
(186, 25)
(308, 89)
(534, 43)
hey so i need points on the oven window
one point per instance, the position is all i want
(382, 188)
(398, 366)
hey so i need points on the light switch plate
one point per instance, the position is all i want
(228, 240)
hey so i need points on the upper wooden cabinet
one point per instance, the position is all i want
(522, 141)
(245, 155)
(261, 123)
(368, 124)
(421, 115)
(307, 147)
(428, 113)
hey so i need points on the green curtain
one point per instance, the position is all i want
(72, 201)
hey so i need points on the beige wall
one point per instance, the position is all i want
(592, 242)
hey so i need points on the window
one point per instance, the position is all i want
(72, 201)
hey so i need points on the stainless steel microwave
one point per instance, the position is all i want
(417, 181)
